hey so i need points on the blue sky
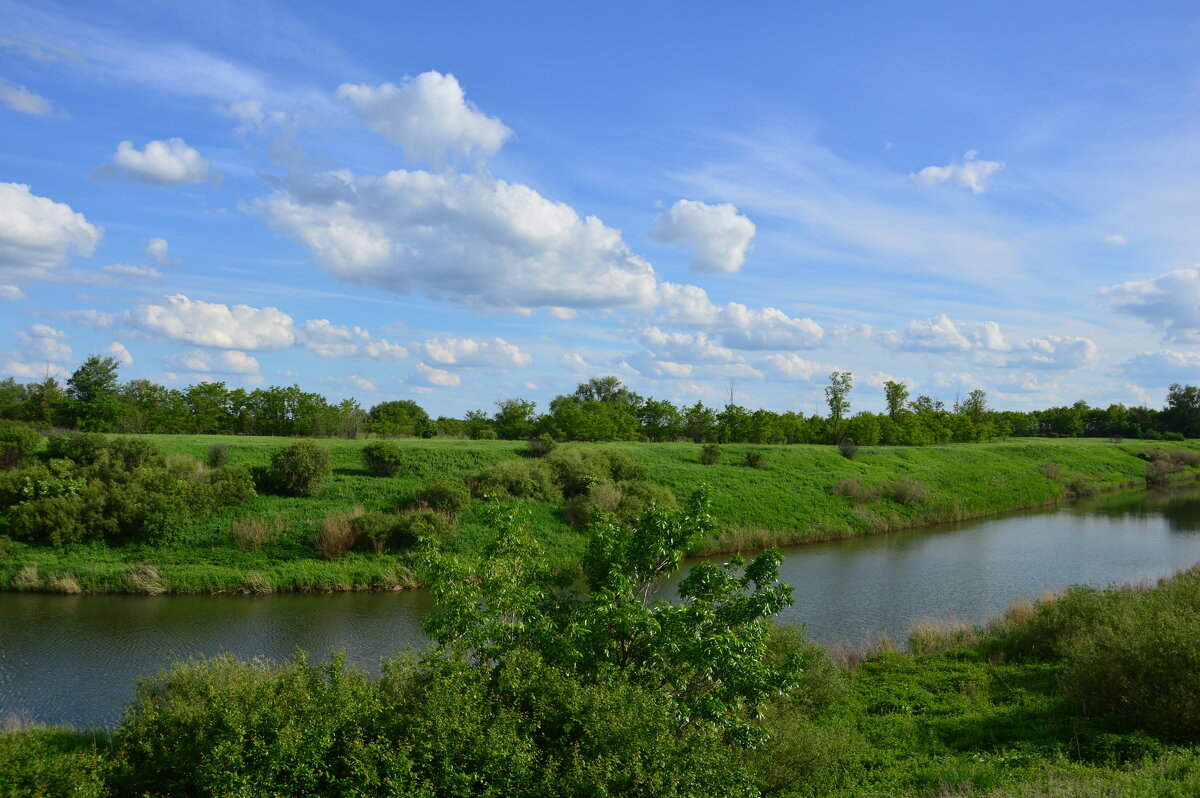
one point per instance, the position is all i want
(461, 202)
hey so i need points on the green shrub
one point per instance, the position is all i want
(83, 448)
(416, 524)
(230, 486)
(53, 520)
(444, 494)
(17, 442)
(376, 530)
(756, 458)
(540, 446)
(710, 454)
(847, 448)
(383, 458)
(517, 479)
(337, 534)
(130, 453)
(628, 500)
(300, 469)
(218, 455)
(575, 473)
(907, 490)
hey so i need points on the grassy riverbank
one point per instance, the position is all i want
(801, 494)
(1092, 693)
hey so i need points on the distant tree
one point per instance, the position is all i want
(403, 417)
(837, 394)
(514, 419)
(607, 389)
(93, 391)
(973, 407)
(1182, 413)
(896, 395)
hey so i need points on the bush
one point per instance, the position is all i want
(230, 486)
(710, 454)
(83, 448)
(847, 448)
(627, 500)
(131, 453)
(376, 529)
(416, 524)
(540, 446)
(300, 468)
(517, 479)
(383, 458)
(252, 532)
(54, 520)
(17, 441)
(575, 473)
(444, 494)
(337, 534)
(854, 489)
(218, 455)
(756, 458)
(622, 467)
(907, 490)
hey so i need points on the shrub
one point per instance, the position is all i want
(1051, 471)
(375, 529)
(416, 524)
(1081, 485)
(17, 441)
(218, 455)
(710, 454)
(854, 489)
(1186, 457)
(300, 468)
(847, 448)
(337, 534)
(622, 467)
(540, 446)
(1173, 436)
(627, 500)
(56, 520)
(576, 473)
(907, 490)
(253, 531)
(230, 486)
(131, 453)
(444, 494)
(383, 458)
(756, 458)
(517, 479)
(84, 448)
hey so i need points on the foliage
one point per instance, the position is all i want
(378, 530)
(517, 479)
(710, 454)
(382, 458)
(540, 446)
(17, 442)
(847, 448)
(218, 455)
(300, 469)
(444, 494)
(756, 458)
(837, 396)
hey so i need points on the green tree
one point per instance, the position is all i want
(837, 395)
(93, 391)
(514, 419)
(896, 395)
(1182, 413)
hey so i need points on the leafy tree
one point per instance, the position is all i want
(403, 417)
(1182, 413)
(837, 394)
(514, 419)
(607, 389)
(93, 389)
(896, 395)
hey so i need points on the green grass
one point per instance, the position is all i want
(793, 500)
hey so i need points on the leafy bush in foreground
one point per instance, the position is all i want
(444, 494)
(300, 469)
(383, 458)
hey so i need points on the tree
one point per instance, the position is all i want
(706, 652)
(837, 394)
(1182, 413)
(896, 395)
(93, 388)
(404, 417)
(973, 407)
(606, 389)
(514, 419)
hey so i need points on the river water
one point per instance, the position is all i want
(73, 659)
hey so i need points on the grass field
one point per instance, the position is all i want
(804, 494)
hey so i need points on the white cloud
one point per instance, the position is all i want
(1027, 383)
(130, 270)
(35, 371)
(1163, 367)
(738, 326)
(1053, 351)
(362, 383)
(1117, 240)
(194, 321)
(482, 242)
(878, 378)
(429, 117)
(718, 235)
(971, 173)
(960, 381)
(11, 292)
(429, 377)
(19, 98)
(791, 366)
(646, 364)
(324, 338)
(1170, 302)
(1139, 393)
(44, 343)
(163, 163)
(942, 334)
(156, 253)
(683, 347)
(199, 361)
(844, 334)
(496, 353)
(118, 350)
(576, 363)
(37, 233)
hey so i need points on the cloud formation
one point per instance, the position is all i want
(942, 334)
(41, 342)
(194, 321)
(472, 239)
(1170, 302)
(429, 377)
(429, 117)
(156, 252)
(718, 235)
(11, 292)
(738, 326)
(465, 352)
(1163, 367)
(970, 173)
(324, 338)
(38, 234)
(199, 361)
(161, 163)
(117, 349)
(19, 98)
(1056, 352)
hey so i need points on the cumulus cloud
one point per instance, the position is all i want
(11, 292)
(199, 361)
(878, 378)
(429, 377)
(1163, 367)
(462, 352)
(1027, 382)
(37, 234)
(942, 334)
(44, 343)
(19, 98)
(971, 173)
(156, 253)
(1058, 352)
(718, 235)
(738, 326)
(791, 366)
(683, 347)
(473, 239)
(194, 321)
(34, 371)
(429, 117)
(362, 383)
(131, 270)
(161, 163)
(324, 338)
(117, 349)
(1170, 302)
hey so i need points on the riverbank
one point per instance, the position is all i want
(795, 495)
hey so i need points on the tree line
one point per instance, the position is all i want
(94, 399)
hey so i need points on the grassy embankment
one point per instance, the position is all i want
(804, 494)
(1093, 693)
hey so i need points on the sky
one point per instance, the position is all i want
(459, 203)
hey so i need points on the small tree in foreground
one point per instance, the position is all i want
(300, 469)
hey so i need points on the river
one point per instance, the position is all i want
(73, 659)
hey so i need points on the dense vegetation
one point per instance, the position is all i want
(534, 689)
(601, 409)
